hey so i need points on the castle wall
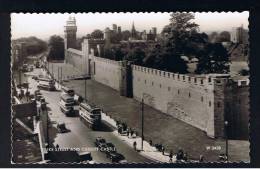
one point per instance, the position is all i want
(77, 59)
(107, 72)
(190, 99)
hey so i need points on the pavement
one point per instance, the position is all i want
(159, 127)
(80, 136)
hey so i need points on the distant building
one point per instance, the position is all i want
(114, 26)
(239, 35)
(119, 30)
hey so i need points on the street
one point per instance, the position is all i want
(80, 136)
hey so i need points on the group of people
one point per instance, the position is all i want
(180, 155)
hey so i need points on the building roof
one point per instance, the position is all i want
(25, 109)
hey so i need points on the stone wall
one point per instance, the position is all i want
(107, 72)
(77, 59)
(190, 99)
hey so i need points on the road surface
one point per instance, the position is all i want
(80, 135)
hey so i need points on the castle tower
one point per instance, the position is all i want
(70, 30)
(107, 36)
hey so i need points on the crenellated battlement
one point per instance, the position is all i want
(109, 61)
(202, 80)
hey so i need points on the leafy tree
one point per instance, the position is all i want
(179, 35)
(97, 34)
(56, 46)
(136, 56)
(213, 37)
(33, 45)
(214, 59)
(224, 36)
(125, 35)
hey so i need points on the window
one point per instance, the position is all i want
(209, 80)
(201, 81)
(152, 83)
(160, 86)
(144, 81)
(209, 103)
(201, 98)
(189, 95)
(178, 91)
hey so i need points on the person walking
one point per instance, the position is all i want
(163, 150)
(201, 158)
(135, 144)
(170, 156)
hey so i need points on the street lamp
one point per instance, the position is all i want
(226, 135)
(142, 122)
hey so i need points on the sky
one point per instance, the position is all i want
(45, 25)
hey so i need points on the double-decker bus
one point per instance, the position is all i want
(90, 115)
(47, 84)
(67, 104)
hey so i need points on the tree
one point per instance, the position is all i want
(179, 35)
(214, 59)
(213, 37)
(97, 34)
(224, 36)
(136, 56)
(56, 46)
(125, 35)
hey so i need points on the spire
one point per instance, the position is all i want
(133, 31)
(133, 27)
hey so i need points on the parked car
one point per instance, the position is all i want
(99, 140)
(100, 143)
(62, 128)
(116, 157)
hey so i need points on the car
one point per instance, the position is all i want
(100, 140)
(62, 128)
(116, 157)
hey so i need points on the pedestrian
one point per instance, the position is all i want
(131, 133)
(185, 157)
(162, 150)
(201, 158)
(150, 142)
(170, 156)
(135, 144)
(57, 146)
(127, 132)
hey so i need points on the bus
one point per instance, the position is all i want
(47, 84)
(90, 115)
(67, 104)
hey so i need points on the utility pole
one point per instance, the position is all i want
(142, 122)
(52, 70)
(85, 89)
(58, 75)
(226, 134)
(61, 74)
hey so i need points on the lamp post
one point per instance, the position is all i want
(142, 122)
(226, 135)
(85, 89)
